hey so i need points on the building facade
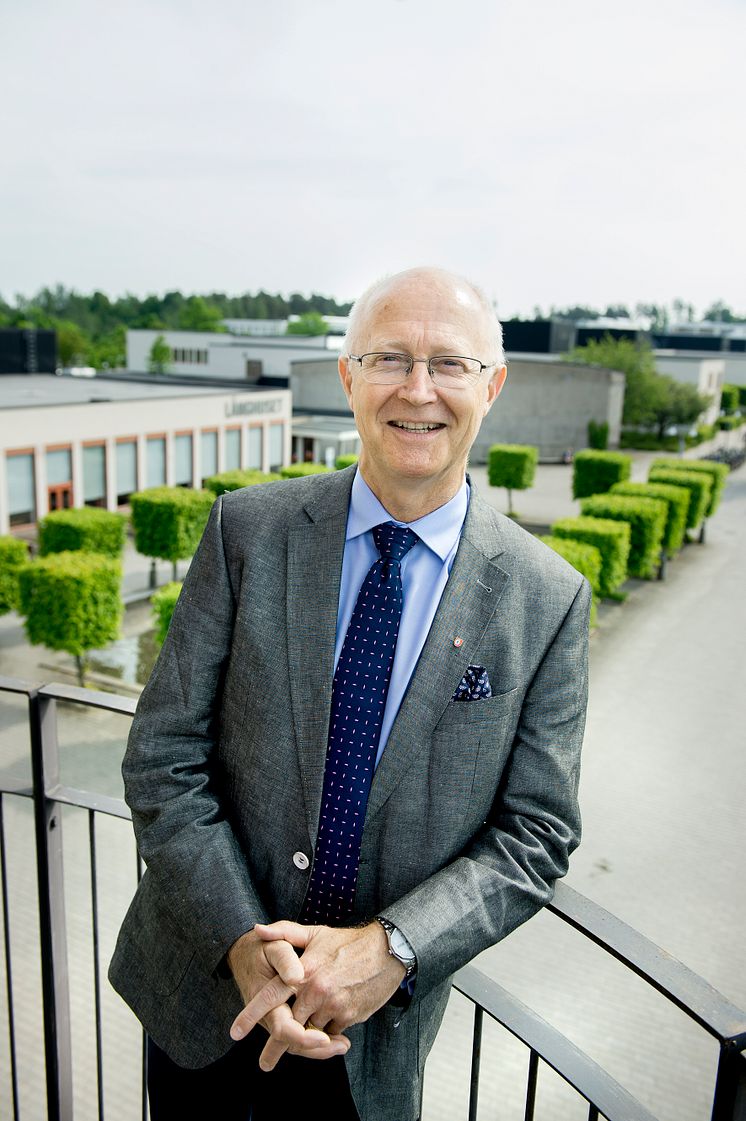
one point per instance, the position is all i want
(67, 443)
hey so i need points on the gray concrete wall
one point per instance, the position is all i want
(546, 402)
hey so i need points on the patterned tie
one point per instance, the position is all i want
(358, 702)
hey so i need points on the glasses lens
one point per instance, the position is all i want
(452, 371)
(385, 368)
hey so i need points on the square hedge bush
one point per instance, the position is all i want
(87, 529)
(647, 520)
(699, 484)
(677, 501)
(611, 538)
(595, 472)
(169, 521)
(13, 557)
(719, 472)
(585, 558)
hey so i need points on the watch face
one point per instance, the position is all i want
(400, 946)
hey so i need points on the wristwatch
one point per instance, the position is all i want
(399, 947)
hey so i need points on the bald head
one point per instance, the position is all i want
(416, 287)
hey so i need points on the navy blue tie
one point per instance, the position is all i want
(359, 691)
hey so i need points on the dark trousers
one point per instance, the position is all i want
(235, 1089)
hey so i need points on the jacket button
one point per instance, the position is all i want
(300, 860)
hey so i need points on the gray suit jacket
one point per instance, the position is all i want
(472, 812)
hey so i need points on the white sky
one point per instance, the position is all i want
(554, 152)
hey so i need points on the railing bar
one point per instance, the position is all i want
(91, 698)
(96, 963)
(533, 1071)
(592, 1112)
(144, 1067)
(8, 971)
(476, 1055)
(89, 800)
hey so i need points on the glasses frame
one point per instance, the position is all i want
(412, 361)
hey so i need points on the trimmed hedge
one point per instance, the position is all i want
(647, 520)
(299, 470)
(698, 482)
(677, 501)
(595, 472)
(343, 461)
(169, 521)
(163, 602)
(235, 480)
(72, 602)
(585, 558)
(88, 530)
(728, 423)
(13, 557)
(718, 471)
(512, 466)
(598, 435)
(611, 538)
(729, 398)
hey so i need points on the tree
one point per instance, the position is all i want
(159, 357)
(678, 403)
(72, 345)
(199, 315)
(310, 323)
(643, 392)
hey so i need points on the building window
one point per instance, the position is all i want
(254, 452)
(232, 449)
(94, 475)
(209, 449)
(21, 488)
(276, 446)
(253, 368)
(155, 473)
(59, 479)
(183, 459)
(126, 467)
(189, 356)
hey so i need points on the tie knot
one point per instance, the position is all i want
(393, 541)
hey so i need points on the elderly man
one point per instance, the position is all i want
(355, 764)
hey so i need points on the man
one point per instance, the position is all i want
(369, 707)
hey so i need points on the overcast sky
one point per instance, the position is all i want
(556, 153)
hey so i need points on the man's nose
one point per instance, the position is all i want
(419, 387)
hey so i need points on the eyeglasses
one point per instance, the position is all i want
(449, 371)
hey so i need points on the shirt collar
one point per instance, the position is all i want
(439, 530)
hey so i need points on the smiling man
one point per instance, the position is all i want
(355, 764)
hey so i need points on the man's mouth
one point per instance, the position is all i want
(416, 426)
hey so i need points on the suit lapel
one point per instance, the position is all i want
(315, 552)
(470, 599)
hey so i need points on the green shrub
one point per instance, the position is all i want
(677, 502)
(235, 480)
(164, 602)
(718, 472)
(704, 432)
(585, 558)
(343, 461)
(729, 398)
(168, 521)
(611, 538)
(647, 520)
(741, 396)
(298, 470)
(647, 441)
(729, 423)
(512, 466)
(13, 557)
(699, 484)
(596, 472)
(598, 435)
(72, 602)
(88, 530)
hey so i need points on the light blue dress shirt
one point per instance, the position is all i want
(424, 573)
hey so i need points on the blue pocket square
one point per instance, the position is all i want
(474, 685)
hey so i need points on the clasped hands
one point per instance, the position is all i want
(341, 977)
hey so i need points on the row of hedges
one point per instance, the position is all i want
(652, 442)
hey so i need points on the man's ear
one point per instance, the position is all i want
(494, 386)
(345, 374)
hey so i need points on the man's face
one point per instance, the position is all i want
(417, 431)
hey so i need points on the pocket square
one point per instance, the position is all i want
(474, 685)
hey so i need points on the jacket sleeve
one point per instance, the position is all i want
(173, 781)
(507, 872)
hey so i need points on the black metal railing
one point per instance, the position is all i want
(605, 1097)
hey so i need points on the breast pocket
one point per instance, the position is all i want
(473, 739)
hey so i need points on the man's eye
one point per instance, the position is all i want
(391, 359)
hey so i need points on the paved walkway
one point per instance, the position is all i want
(662, 792)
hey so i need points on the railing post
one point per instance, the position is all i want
(730, 1088)
(52, 934)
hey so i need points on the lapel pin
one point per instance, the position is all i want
(458, 642)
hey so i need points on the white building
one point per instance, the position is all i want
(212, 354)
(704, 372)
(67, 442)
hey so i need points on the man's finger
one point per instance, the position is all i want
(292, 932)
(272, 995)
(282, 957)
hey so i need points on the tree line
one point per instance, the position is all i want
(91, 329)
